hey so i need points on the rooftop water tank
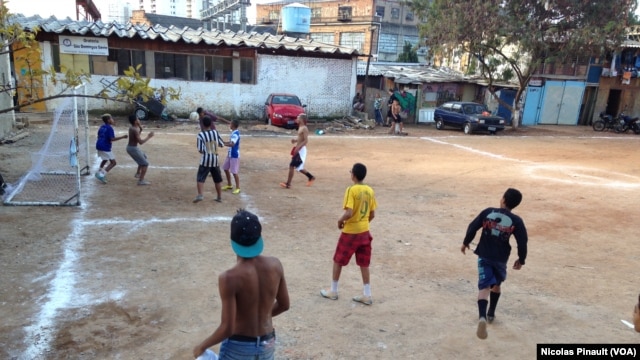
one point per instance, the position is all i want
(296, 19)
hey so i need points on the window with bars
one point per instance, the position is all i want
(166, 65)
(353, 40)
(327, 38)
(126, 58)
(344, 13)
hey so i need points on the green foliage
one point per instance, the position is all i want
(14, 38)
(511, 38)
(409, 54)
(13, 33)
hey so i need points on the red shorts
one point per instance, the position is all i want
(348, 244)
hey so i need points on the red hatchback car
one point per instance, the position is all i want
(282, 110)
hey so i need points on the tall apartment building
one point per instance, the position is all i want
(377, 27)
(117, 10)
(180, 8)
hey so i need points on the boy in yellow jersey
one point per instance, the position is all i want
(359, 209)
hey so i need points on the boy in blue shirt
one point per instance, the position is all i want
(106, 136)
(232, 162)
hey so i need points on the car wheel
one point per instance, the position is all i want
(141, 113)
(467, 128)
(439, 124)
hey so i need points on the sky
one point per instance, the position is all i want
(66, 8)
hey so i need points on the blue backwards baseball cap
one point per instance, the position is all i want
(246, 235)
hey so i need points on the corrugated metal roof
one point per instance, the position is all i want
(186, 34)
(412, 73)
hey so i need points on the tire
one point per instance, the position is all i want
(636, 129)
(141, 113)
(598, 125)
(439, 124)
(467, 128)
(620, 129)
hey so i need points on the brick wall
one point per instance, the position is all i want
(323, 84)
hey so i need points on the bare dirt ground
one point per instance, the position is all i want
(132, 273)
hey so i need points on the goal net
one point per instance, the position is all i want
(54, 177)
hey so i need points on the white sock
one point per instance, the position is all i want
(334, 286)
(367, 289)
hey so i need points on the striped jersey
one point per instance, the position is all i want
(208, 143)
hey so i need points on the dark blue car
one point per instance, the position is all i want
(468, 116)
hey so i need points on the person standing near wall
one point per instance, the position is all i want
(377, 108)
(389, 118)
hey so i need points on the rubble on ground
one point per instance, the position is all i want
(14, 136)
(348, 123)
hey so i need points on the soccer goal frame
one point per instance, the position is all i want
(56, 169)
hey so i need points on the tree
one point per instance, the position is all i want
(409, 54)
(14, 39)
(511, 39)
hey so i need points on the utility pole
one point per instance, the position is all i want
(372, 29)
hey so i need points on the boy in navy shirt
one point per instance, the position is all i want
(106, 136)
(493, 250)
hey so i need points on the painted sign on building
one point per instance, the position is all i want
(83, 45)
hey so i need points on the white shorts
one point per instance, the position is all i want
(303, 157)
(106, 155)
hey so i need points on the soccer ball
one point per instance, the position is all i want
(194, 116)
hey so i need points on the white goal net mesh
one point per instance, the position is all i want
(54, 177)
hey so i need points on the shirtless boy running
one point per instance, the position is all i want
(299, 153)
(134, 150)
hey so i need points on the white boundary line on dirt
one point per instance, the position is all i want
(58, 295)
(61, 292)
(576, 175)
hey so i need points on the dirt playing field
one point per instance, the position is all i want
(132, 273)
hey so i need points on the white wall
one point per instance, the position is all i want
(326, 86)
(6, 98)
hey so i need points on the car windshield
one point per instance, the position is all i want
(474, 109)
(283, 99)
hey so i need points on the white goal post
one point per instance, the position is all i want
(54, 177)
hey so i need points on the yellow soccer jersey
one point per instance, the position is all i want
(360, 198)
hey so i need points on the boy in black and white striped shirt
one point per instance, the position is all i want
(208, 143)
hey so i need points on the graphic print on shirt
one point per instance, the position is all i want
(499, 225)
(363, 199)
(211, 147)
